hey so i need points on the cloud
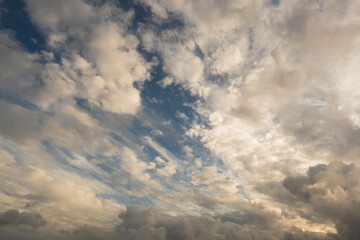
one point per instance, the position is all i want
(101, 65)
(165, 82)
(331, 190)
(168, 169)
(273, 92)
(52, 14)
(29, 127)
(16, 63)
(115, 55)
(132, 165)
(58, 196)
(14, 217)
(274, 101)
(141, 223)
(137, 222)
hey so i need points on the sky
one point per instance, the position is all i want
(179, 119)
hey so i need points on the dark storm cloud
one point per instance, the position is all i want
(14, 217)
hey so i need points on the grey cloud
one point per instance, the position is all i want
(141, 223)
(255, 216)
(277, 191)
(34, 199)
(18, 123)
(300, 235)
(325, 129)
(91, 233)
(275, 2)
(296, 186)
(202, 199)
(15, 63)
(332, 191)
(14, 217)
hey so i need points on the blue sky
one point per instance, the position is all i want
(181, 119)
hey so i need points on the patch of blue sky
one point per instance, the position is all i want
(163, 114)
(134, 199)
(164, 181)
(218, 79)
(13, 150)
(66, 160)
(142, 14)
(15, 18)
(140, 200)
(60, 156)
(241, 190)
(83, 167)
(123, 199)
(106, 164)
(201, 152)
(162, 151)
(11, 97)
(144, 17)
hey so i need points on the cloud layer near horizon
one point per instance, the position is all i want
(181, 119)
